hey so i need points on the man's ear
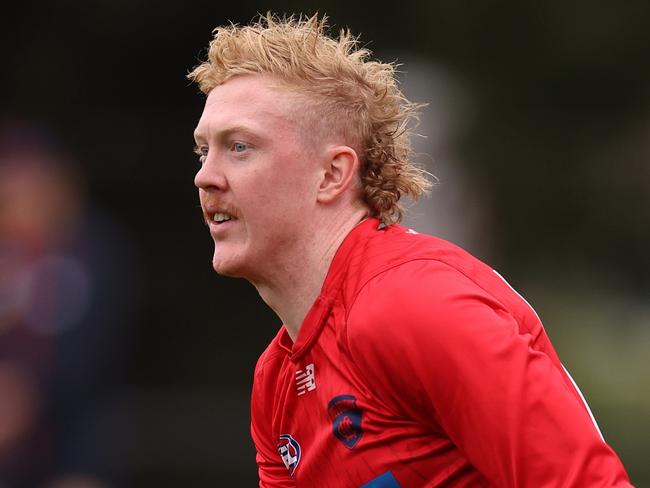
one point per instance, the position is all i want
(340, 172)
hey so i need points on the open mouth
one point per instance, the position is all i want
(216, 215)
(221, 217)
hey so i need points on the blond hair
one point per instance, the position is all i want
(351, 95)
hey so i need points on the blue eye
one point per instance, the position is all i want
(202, 153)
(239, 147)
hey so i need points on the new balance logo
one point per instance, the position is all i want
(305, 380)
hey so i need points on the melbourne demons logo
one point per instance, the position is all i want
(346, 419)
(289, 450)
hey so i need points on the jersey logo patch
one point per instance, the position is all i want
(289, 450)
(306, 379)
(386, 480)
(346, 419)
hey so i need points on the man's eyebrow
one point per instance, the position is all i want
(198, 135)
(236, 128)
(226, 132)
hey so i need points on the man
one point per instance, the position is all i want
(402, 361)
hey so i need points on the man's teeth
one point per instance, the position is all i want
(221, 217)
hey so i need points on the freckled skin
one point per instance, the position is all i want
(256, 165)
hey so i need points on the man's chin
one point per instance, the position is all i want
(224, 270)
(227, 267)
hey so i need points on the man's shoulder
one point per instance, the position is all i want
(403, 250)
(412, 279)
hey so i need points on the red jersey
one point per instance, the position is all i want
(419, 366)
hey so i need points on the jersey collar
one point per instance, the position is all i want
(317, 316)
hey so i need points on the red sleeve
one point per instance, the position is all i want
(439, 349)
(271, 470)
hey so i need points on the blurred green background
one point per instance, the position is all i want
(538, 128)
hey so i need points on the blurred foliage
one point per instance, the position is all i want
(603, 337)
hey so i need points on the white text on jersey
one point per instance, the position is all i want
(305, 380)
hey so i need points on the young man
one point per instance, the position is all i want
(403, 361)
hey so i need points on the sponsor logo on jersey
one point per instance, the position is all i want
(289, 450)
(386, 480)
(346, 419)
(305, 379)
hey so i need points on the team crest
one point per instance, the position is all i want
(346, 419)
(289, 450)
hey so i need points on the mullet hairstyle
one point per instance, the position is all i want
(347, 95)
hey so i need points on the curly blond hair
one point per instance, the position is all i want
(348, 93)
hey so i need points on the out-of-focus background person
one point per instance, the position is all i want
(64, 314)
(537, 128)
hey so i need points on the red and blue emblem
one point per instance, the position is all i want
(289, 450)
(346, 419)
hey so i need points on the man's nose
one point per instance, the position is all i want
(209, 176)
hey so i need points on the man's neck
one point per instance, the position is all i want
(293, 290)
